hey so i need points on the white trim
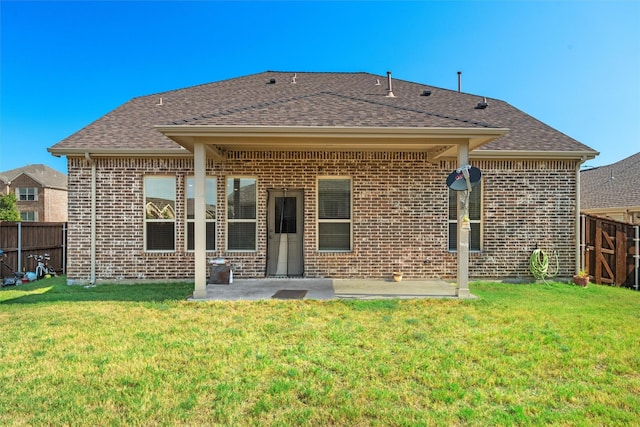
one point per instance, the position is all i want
(226, 214)
(334, 221)
(146, 220)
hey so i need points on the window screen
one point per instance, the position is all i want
(160, 201)
(334, 214)
(475, 218)
(241, 214)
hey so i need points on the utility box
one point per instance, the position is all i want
(220, 272)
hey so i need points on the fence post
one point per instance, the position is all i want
(19, 246)
(64, 248)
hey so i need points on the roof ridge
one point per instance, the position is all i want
(322, 92)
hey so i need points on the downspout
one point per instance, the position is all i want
(92, 277)
(579, 264)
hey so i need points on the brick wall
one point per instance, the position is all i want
(55, 205)
(399, 215)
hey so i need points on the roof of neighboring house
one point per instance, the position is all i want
(613, 186)
(44, 175)
(316, 99)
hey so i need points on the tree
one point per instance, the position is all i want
(8, 208)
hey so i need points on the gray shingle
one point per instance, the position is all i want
(316, 99)
(613, 186)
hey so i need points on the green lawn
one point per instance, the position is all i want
(141, 355)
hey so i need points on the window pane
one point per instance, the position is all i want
(211, 199)
(334, 199)
(474, 203)
(160, 196)
(241, 236)
(26, 194)
(474, 237)
(211, 236)
(285, 215)
(28, 216)
(160, 236)
(334, 237)
(453, 204)
(241, 198)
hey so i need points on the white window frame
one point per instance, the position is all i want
(149, 220)
(235, 221)
(187, 220)
(479, 222)
(24, 214)
(335, 221)
(28, 191)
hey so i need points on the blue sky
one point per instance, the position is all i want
(574, 65)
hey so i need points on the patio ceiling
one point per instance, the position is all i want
(439, 142)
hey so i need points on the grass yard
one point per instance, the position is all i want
(141, 355)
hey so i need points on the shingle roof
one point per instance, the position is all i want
(613, 186)
(43, 174)
(315, 99)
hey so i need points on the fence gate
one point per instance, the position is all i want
(609, 249)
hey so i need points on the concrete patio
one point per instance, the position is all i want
(325, 289)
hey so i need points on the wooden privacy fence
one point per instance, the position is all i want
(610, 251)
(19, 240)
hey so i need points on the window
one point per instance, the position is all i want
(241, 214)
(29, 216)
(27, 194)
(210, 213)
(160, 213)
(475, 218)
(334, 214)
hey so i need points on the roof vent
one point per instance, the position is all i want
(482, 105)
(426, 92)
(271, 82)
(377, 82)
(389, 88)
(293, 78)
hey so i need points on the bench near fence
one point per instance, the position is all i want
(19, 240)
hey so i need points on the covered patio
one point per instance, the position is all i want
(215, 142)
(326, 289)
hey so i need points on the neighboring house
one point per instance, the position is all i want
(612, 191)
(41, 192)
(317, 175)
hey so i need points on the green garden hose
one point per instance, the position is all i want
(539, 265)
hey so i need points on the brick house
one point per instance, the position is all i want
(613, 190)
(317, 175)
(41, 192)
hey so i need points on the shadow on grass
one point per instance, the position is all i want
(56, 290)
